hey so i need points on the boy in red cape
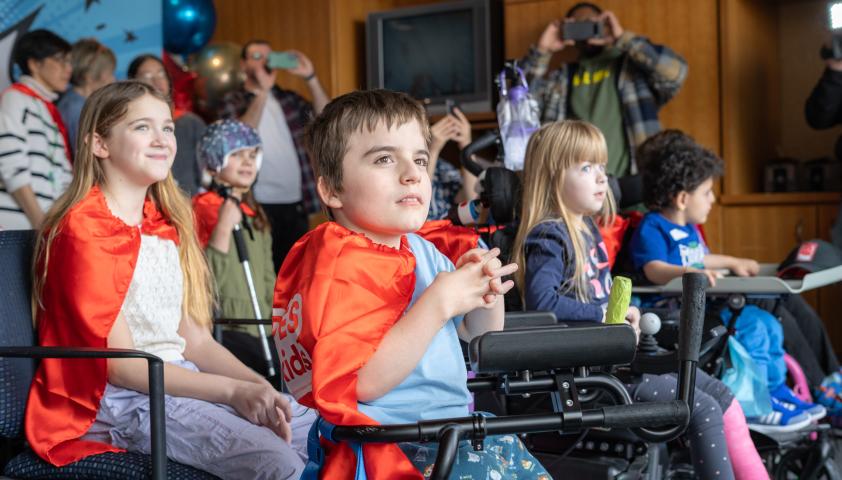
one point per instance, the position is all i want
(368, 315)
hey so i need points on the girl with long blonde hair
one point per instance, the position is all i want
(118, 265)
(564, 269)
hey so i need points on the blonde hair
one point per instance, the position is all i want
(551, 151)
(105, 108)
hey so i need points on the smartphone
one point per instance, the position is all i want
(282, 60)
(450, 105)
(579, 31)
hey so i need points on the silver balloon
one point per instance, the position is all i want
(218, 71)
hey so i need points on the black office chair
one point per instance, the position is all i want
(18, 356)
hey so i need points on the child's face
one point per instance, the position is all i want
(699, 202)
(385, 186)
(141, 147)
(241, 169)
(584, 188)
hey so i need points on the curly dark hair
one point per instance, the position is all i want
(671, 163)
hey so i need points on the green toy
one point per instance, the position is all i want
(618, 301)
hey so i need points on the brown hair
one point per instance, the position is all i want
(105, 108)
(90, 59)
(261, 220)
(328, 135)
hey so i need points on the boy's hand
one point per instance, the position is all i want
(475, 283)
(490, 269)
(711, 274)
(745, 267)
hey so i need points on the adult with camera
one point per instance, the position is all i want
(285, 187)
(823, 110)
(618, 80)
(824, 106)
(450, 184)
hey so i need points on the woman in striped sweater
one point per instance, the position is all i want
(34, 147)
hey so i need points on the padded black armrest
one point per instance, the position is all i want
(156, 388)
(545, 348)
(529, 319)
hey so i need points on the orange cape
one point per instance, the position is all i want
(337, 295)
(206, 211)
(89, 269)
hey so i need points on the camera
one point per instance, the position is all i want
(834, 17)
(450, 105)
(580, 31)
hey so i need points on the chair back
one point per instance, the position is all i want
(16, 249)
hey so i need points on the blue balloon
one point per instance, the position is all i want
(188, 25)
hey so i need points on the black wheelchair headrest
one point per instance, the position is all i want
(627, 190)
(546, 348)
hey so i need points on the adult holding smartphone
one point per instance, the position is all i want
(617, 80)
(450, 184)
(824, 105)
(285, 187)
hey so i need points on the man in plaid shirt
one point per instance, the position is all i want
(285, 186)
(618, 82)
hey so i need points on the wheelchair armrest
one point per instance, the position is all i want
(529, 319)
(156, 388)
(546, 348)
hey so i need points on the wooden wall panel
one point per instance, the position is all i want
(766, 233)
(690, 27)
(750, 91)
(286, 24)
(830, 297)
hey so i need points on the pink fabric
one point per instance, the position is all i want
(744, 457)
(801, 388)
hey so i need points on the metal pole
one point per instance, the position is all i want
(243, 253)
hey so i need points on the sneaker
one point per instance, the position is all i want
(785, 417)
(786, 395)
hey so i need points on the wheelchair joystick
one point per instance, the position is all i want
(650, 324)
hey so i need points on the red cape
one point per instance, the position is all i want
(90, 266)
(336, 296)
(54, 114)
(206, 211)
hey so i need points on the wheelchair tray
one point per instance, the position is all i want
(766, 282)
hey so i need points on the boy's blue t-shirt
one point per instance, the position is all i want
(659, 239)
(437, 387)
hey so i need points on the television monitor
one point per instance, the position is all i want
(438, 52)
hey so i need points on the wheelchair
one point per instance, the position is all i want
(558, 362)
(803, 454)
(807, 453)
